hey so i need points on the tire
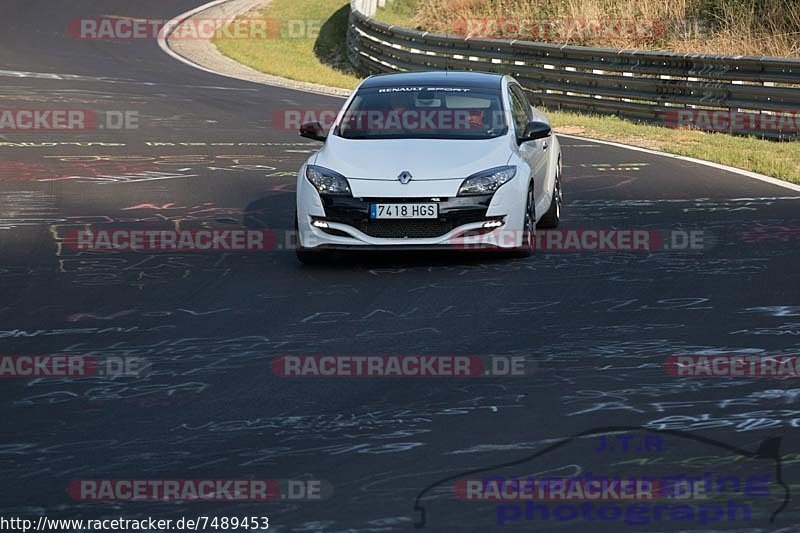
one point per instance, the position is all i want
(529, 231)
(552, 218)
(305, 255)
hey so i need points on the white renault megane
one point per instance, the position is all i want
(430, 160)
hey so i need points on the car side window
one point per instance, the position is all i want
(519, 110)
(526, 104)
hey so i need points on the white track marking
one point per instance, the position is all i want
(747, 173)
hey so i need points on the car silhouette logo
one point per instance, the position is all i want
(768, 450)
(405, 177)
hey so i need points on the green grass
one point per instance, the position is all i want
(399, 12)
(320, 61)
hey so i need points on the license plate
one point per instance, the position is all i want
(403, 211)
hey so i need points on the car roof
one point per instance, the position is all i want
(445, 78)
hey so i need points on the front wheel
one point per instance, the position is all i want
(529, 229)
(552, 218)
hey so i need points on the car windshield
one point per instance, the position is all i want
(424, 112)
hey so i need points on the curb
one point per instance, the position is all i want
(252, 75)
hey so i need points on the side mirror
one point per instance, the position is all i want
(535, 130)
(313, 130)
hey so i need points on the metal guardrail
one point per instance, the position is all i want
(639, 85)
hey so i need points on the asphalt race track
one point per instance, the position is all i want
(597, 326)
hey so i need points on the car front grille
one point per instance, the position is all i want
(453, 212)
(402, 229)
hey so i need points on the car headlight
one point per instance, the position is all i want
(488, 181)
(327, 181)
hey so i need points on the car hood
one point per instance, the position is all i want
(425, 159)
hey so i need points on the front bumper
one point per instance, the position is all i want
(347, 224)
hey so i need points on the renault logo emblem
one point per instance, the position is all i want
(405, 177)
